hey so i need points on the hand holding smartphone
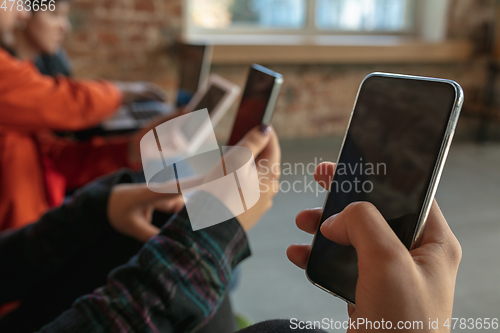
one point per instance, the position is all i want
(256, 108)
(392, 157)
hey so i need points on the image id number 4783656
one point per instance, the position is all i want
(470, 323)
(29, 5)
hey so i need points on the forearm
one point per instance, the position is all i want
(59, 104)
(175, 283)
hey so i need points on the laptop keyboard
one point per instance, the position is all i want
(144, 115)
(143, 111)
(136, 115)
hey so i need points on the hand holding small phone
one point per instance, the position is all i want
(393, 283)
(252, 130)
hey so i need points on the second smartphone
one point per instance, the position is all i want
(258, 101)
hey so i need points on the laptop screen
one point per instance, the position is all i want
(209, 101)
(193, 70)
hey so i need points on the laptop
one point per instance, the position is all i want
(194, 70)
(190, 132)
(195, 61)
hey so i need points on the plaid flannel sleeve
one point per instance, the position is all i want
(174, 284)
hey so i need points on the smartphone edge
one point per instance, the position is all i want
(273, 99)
(441, 161)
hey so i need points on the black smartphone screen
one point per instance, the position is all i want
(388, 158)
(258, 90)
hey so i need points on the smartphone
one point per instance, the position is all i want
(393, 154)
(258, 101)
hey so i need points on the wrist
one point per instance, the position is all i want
(93, 199)
(222, 235)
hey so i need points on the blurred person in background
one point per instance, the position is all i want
(36, 167)
(39, 39)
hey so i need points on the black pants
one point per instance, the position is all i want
(86, 272)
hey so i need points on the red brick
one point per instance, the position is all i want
(144, 5)
(108, 38)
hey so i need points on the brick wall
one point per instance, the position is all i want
(125, 39)
(132, 39)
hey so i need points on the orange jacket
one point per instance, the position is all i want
(32, 105)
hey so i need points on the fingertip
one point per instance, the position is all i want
(265, 129)
(323, 174)
(300, 215)
(288, 251)
(328, 223)
(333, 229)
(325, 168)
(261, 130)
(299, 254)
(325, 230)
(308, 220)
